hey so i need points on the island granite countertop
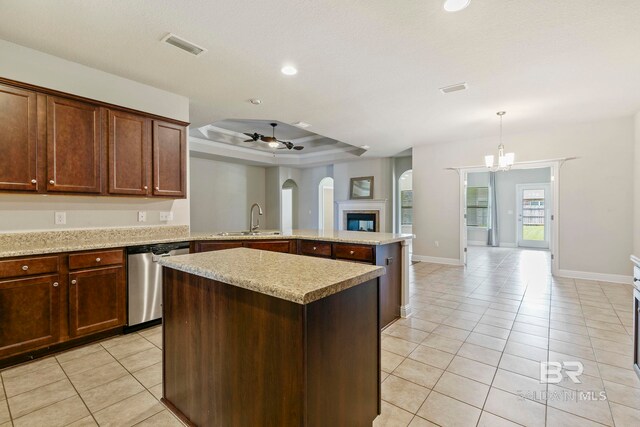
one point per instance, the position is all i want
(290, 277)
(46, 242)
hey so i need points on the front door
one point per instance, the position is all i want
(533, 206)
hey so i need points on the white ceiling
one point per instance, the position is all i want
(369, 69)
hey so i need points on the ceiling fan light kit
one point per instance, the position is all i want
(505, 160)
(272, 141)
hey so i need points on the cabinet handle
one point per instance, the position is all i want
(98, 260)
(146, 188)
(55, 284)
(157, 188)
(314, 248)
(25, 267)
(351, 252)
(33, 181)
(74, 281)
(51, 181)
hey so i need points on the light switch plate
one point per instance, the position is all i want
(142, 216)
(166, 216)
(60, 218)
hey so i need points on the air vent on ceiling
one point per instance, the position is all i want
(183, 44)
(454, 88)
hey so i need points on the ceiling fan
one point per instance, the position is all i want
(272, 141)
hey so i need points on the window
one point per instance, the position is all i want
(406, 207)
(477, 206)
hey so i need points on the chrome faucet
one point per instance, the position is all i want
(254, 227)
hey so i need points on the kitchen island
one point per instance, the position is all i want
(260, 338)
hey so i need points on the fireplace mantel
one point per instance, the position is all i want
(379, 205)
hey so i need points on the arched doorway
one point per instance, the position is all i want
(289, 205)
(325, 204)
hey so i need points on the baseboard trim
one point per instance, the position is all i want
(601, 277)
(436, 260)
(405, 310)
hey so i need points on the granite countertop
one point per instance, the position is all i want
(290, 277)
(45, 242)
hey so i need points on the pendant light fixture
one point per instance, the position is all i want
(505, 161)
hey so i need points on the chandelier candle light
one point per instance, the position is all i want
(505, 161)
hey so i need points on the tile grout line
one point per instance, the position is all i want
(77, 392)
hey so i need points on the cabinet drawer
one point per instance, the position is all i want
(95, 259)
(354, 252)
(216, 246)
(312, 248)
(28, 266)
(283, 246)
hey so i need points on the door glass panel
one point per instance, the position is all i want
(533, 214)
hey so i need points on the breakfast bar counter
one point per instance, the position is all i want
(258, 338)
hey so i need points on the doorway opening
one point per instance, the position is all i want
(325, 204)
(509, 212)
(288, 206)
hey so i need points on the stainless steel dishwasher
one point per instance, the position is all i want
(144, 281)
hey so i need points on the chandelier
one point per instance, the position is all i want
(505, 161)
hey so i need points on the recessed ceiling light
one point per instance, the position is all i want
(255, 101)
(302, 124)
(289, 70)
(455, 5)
(454, 88)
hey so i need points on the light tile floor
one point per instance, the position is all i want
(470, 354)
(116, 382)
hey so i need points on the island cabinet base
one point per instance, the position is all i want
(234, 357)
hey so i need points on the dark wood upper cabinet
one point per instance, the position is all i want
(97, 300)
(74, 146)
(129, 140)
(169, 159)
(18, 139)
(29, 313)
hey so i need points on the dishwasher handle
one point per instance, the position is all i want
(155, 257)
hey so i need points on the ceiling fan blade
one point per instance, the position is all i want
(250, 140)
(250, 135)
(298, 147)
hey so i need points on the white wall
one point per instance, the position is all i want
(506, 194)
(36, 212)
(636, 186)
(595, 211)
(308, 211)
(222, 193)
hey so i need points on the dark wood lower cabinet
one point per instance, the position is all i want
(96, 300)
(388, 256)
(233, 357)
(29, 313)
(47, 305)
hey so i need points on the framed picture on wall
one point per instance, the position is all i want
(361, 188)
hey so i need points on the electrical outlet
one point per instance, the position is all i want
(142, 216)
(166, 216)
(60, 218)
(436, 243)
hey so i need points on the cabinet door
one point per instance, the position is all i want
(283, 246)
(129, 137)
(96, 300)
(29, 314)
(74, 146)
(169, 159)
(18, 139)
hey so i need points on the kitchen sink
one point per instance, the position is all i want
(249, 233)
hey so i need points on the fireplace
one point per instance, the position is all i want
(361, 221)
(374, 209)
